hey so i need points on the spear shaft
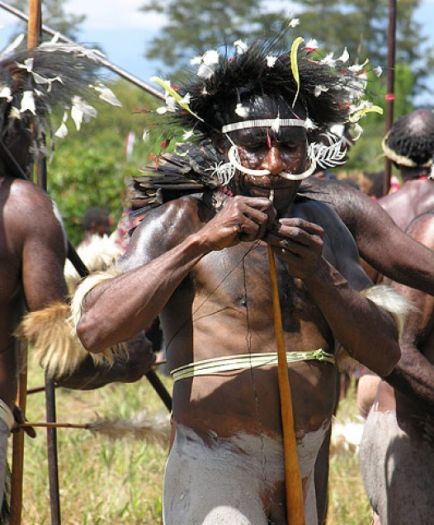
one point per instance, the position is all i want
(293, 486)
(33, 31)
(390, 94)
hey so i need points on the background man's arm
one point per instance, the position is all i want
(414, 373)
(90, 375)
(381, 242)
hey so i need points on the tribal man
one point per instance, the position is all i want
(200, 262)
(397, 451)
(32, 240)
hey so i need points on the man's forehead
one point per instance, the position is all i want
(281, 133)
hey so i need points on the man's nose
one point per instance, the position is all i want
(273, 161)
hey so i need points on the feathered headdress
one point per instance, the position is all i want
(35, 82)
(330, 90)
(218, 97)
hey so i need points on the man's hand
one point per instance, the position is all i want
(299, 244)
(90, 375)
(242, 219)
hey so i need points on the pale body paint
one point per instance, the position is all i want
(59, 219)
(225, 481)
(397, 471)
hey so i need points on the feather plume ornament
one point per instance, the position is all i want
(34, 82)
(389, 300)
(329, 155)
(294, 65)
(99, 254)
(182, 101)
(149, 429)
(192, 168)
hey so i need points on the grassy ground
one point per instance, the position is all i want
(119, 482)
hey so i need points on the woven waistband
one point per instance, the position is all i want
(218, 365)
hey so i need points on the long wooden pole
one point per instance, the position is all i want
(390, 94)
(293, 486)
(103, 61)
(33, 31)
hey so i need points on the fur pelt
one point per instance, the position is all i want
(84, 288)
(391, 301)
(52, 334)
(99, 254)
(387, 299)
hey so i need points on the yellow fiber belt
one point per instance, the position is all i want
(243, 361)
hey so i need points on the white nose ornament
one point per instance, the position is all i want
(234, 159)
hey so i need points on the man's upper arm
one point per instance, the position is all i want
(419, 322)
(43, 250)
(162, 229)
(347, 260)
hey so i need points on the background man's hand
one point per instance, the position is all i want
(299, 244)
(241, 219)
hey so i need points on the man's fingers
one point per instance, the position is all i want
(288, 237)
(249, 204)
(300, 224)
(249, 230)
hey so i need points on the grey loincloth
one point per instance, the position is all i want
(398, 474)
(221, 482)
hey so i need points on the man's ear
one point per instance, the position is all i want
(220, 143)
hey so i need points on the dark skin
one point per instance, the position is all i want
(412, 379)
(31, 266)
(32, 248)
(386, 247)
(204, 271)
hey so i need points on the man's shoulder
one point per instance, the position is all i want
(28, 196)
(315, 210)
(421, 228)
(31, 211)
(188, 205)
(165, 226)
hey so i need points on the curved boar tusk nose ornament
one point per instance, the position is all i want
(234, 159)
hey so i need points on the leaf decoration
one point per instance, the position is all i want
(294, 65)
(360, 113)
(179, 100)
(329, 155)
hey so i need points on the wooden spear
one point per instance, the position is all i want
(293, 486)
(18, 438)
(390, 93)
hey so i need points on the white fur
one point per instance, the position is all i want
(390, 300)
(98, 255)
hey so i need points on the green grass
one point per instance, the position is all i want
(105, 482)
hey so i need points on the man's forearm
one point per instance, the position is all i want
(409, 263)
(366, 331)
(119, 308)
(414, 376)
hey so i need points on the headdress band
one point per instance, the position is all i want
(401, 159)
(264, 123)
